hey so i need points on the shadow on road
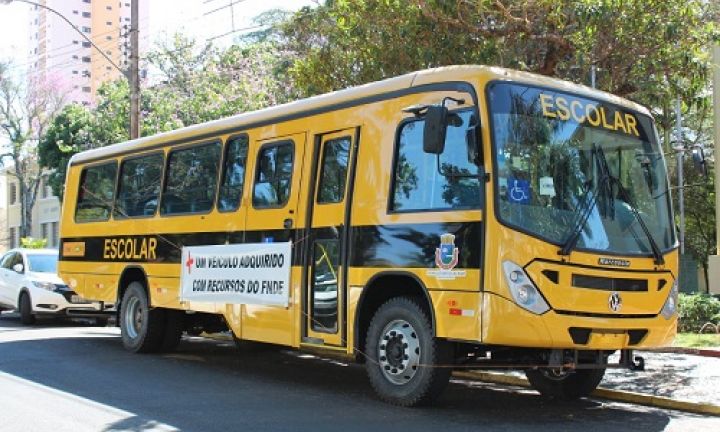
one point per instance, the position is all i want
(210, 385)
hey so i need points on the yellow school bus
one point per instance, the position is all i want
(459, 217)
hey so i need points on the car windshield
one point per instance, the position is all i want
(43, 263)
(553, 151)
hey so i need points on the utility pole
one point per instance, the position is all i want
(134, 71)
(680, 149)
(714, 260)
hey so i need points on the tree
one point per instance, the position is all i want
(69, 133)
(25, 113)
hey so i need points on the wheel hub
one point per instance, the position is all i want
(399, 352)
(133, 317)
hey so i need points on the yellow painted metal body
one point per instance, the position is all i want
(488, 314)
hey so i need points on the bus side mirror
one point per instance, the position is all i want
(435, 129)
(698, 155)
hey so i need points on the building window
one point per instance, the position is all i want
(13, 193)
(44, 231)
(86, 89)
(76, 42)
(108, 37)
(86, 29)
(86, 14)
(108, 7)
(75, 72)
(11, 237)
(86, 59)
(108, 23)
(86, 44)
(86, 74)
(75, 12)
(54, 234)
(75, 57)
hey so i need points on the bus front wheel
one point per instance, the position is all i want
(565, 385)
(142, 328)
(406, 365)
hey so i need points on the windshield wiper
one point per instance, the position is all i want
(605, 184)
(589, 204)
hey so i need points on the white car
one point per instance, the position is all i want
(29, 284)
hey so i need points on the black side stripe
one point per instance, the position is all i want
(397, 245)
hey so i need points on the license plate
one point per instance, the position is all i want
(78, 299)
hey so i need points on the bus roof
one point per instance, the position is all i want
(322, 102)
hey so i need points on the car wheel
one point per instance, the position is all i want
(565, 385)
(142, 328)
(403, 356)
(25, 308)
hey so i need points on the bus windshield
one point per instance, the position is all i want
(554, 153)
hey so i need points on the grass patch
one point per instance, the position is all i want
(694, 340)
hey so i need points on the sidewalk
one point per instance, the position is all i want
(676, 375)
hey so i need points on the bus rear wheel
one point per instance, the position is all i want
(402, 355)
(141, 327)
(565, 385)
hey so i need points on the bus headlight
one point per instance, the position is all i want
(670, 307)
(524, 292)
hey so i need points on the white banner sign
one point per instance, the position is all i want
(250, 273)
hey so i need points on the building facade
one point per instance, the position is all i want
(60, 56)
(45, 215)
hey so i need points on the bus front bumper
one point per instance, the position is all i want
(505, 323)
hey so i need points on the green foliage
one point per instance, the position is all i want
(68, 133)
(197, 84)
(696, 310)
(33, 243)
(650, 50)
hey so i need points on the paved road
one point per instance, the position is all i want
(60, 377)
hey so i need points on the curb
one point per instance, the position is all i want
(604, 393)
(682, 350)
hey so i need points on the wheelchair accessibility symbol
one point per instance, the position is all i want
(518, 191)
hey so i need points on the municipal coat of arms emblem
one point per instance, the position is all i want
(446, 256)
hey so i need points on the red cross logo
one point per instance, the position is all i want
(190, 261)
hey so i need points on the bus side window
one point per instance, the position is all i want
(334, 171)
(97, 185)
(233, 174)
(273, 176)
(191, 179)
(139, 186)
(418, 186)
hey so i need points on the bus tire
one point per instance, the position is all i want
(400, 353)
(566, 386)
(142, 328)
(25, 308)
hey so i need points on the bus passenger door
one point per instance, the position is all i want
(324, 305)
(277, 166)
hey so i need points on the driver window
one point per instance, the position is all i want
(417, 183)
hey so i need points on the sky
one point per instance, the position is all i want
(200, 18)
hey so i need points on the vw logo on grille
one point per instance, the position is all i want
(615, 302)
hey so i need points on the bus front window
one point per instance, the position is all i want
(551, 153)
